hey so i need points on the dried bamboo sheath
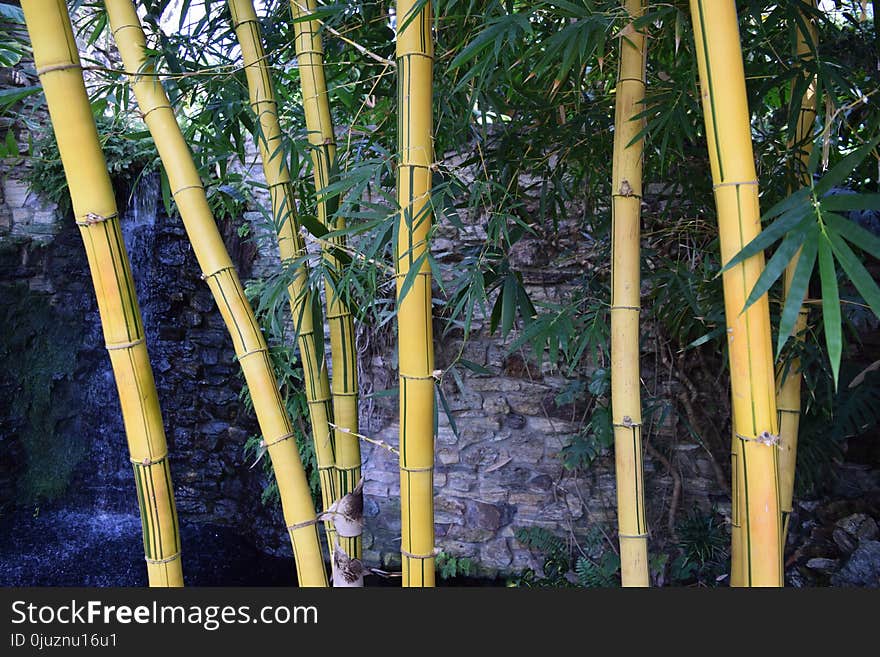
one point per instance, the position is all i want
(94, 205)
(290, 243)
(788, 395)
(310, 62)
(222, 279)
(415, 60)
(625, 301)
(755, 424)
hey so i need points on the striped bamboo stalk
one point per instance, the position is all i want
(626, 405)
(222, 279)
(415, 61)
(726, 113)
(290, 243)
(343, 351)
(788, 394)
(94, 205)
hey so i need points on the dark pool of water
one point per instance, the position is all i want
(63, 547)
(95, 548)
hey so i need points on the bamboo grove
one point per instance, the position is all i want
(765, 390)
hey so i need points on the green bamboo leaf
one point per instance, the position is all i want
(508, 305)
(776, 266)
(9, 97)
(830, 306)
(799, 282)
(800, 197)
(856, 271)
(862, 238)
(847, 202)
(842, 170)
(474, 367)
(9, 56)
(166, 194)
(496, 313)
(791, 220)
(411, 277)
(12, 13)
(526, 307)
(446, 410)
(703, 339)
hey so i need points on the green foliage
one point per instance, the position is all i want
(591, 565)
(703, 542)
(38, 354)
(13, 39)
(449, 566)
(596, 436)
(129, 155)
(809, 222)
(830, 417)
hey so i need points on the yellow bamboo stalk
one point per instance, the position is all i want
(722, 85)
(626, 405)
(290, 243)
(222, 279)
(94, 205)
(343, 352)
(788, 394)
(415, 61)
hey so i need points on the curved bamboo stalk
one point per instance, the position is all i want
(788, 394)
(343, 352)
(290, 243)
(222, 278)
(415, 61)
(722, 85)
(94, 205)
(626, 405)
